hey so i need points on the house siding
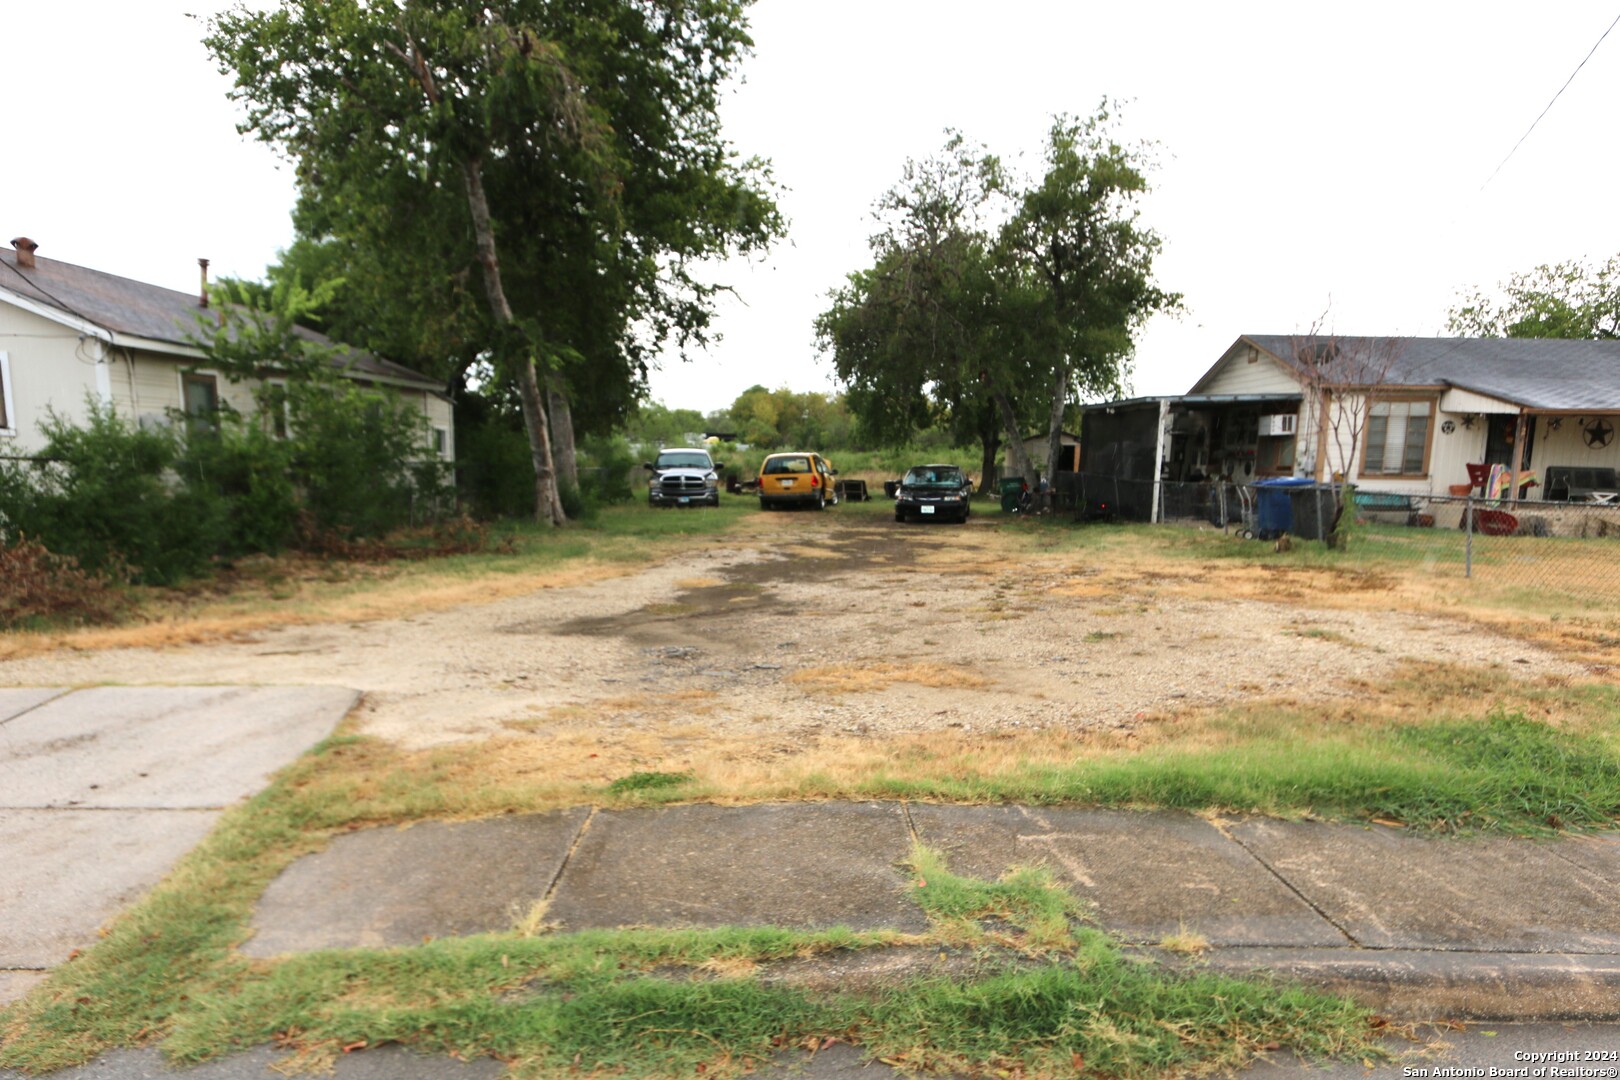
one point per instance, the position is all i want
(1234, 374)
(51, 370)
(54, 369)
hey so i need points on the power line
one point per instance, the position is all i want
(1550, 104)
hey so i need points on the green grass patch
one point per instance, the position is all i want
(1504, 773)
(648, 781)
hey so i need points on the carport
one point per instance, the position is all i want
(1142, 444)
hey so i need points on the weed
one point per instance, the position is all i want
(648, 781)
(1185, 942)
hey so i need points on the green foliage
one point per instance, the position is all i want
(1499, 773)
(591, 129)
(244, 468)
(989, 331)
(787, 420)
(107, 500)
(1561, 300)
(355, 454)
(606, 466)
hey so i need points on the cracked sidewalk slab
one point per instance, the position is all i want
(1147, 874)
(399, 886)
(1393, 890)
(799, 865)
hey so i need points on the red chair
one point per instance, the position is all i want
(1478, 476)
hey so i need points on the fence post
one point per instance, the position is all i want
(1468, 547)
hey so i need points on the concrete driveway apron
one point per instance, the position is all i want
(103, 789)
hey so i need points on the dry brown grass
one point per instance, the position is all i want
(863, 676)
(386, 594)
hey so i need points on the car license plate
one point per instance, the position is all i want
(927, 509)
(685, 500)
(787, 483)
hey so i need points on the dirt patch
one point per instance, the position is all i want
(809, 627)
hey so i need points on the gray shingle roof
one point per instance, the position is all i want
(1535, 373)
(135, 309)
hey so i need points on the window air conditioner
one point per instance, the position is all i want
(1281, 424)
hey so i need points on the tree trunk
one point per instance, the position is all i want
(991, 442)
(562, 432)
(1054, 430)
(1016, 455)
(547, 505)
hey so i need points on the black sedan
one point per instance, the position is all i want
(934, 492)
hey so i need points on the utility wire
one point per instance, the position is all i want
(1550, 104)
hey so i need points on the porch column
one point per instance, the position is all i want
(1158, 459)
(1518, 455)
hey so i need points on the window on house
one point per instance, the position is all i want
(441, 439)
(201, 396)
(6, 426)
(1397, 439)
(275, 403)
(1277, 454)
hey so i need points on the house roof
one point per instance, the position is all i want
(1534, 373)
(126, 309)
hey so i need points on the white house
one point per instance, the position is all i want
(68, 333)
(1439, 406)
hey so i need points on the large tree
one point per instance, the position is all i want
(918, 338)
(1561, 300)
(563, 160)
(960, 319)
(1083, 263)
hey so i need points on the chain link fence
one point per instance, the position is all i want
(1544, 548)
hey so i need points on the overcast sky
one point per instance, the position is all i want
(1311, 154)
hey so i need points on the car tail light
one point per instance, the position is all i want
(815, 481)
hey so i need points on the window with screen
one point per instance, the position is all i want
(1398, 439)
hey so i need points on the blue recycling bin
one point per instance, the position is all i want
(1274, 510)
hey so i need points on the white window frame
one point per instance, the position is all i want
(8, 403)
(441, 441)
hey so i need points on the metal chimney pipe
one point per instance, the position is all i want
(202, 295)
(25, 252)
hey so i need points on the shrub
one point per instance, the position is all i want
(106, 500)
(39, 586)
(496, 473)
(353, 451)
(246, 472)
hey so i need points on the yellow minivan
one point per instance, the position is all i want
(798, 479)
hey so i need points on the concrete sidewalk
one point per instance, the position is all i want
(102, 790)
(1411, 925)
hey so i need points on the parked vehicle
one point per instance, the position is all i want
(940, 492)
(797, 479)
(684, 477)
